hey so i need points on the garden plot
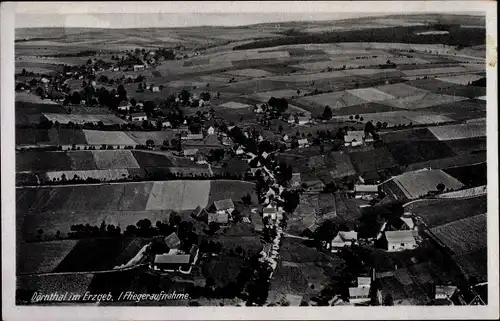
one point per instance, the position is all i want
(103, 175)
(42, 257)
(459, 131)
(423, 101)
(465, 235)
(96, 137)
(234, 105)
(114, 159)
(82, 118)
(401, 90)
(266, 95)
(250, 72)
(460, 80)
(178, 195)
(418, 183)
(370, 94)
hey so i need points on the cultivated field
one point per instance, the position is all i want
(460, 131)
(465, 235)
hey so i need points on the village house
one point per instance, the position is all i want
(200, 159)
(192, 137)
(362, 190)
(190, 153)
(400, 240)
(357, 138)
(239, 151)
(220, 218)
(270, 212)
(361, 293)
(223, 206)
(303, 120)
(155, 89)
(407, 222)
(166, 124)
(342, 240)
(303, 142)
(176, 262)
(295, 181)
(211, 130)
(139, 105)
(139, 67)
(172, 241)
(200, 214)
(443, 294)
(138, 117)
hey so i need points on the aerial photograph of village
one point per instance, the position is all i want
(293, 163)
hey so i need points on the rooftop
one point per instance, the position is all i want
(141, 114)
(224, 204)
(172, 241)
(222, 218)
(400, 236)
(172, 259)
(356, 292)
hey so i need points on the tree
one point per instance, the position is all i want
(356, 117)
(122, 93)
(388, 300)
(213, 227)
(150, 143)
(440, 187)
(174, 219)
(205, 96)
(350, 117)
(327, 113)
(139, 87)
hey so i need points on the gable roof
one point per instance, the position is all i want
(303, 141)
(172, 259)
(356, 135)
(224, 204)
(173, 241)
(343, 236)
(364, 280)
(141, 114)
(190, 152)
(366, 188)
(447, 290)
(269, 210)
(400, 236)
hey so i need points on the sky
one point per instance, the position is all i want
(147, 20)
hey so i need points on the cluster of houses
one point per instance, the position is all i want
(357, 138)
(175, 260)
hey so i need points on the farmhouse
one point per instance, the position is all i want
(226, 141)
(443, 294)
(303, 120)
(357, 137)
(155, 89)
(303, 143)
(362, 190)
(239, 151)
(200, 159)
(190, 152)
(269, 212)
(400, 240)
(139, 67)
(221, 218)
(223, 206)
(176, 262)
(172, 241)
(166, 124)
(192, 137)
(138, 117)
(211, 130)
(359, 295)
(295, 181)
(343, 239)
(200, 213)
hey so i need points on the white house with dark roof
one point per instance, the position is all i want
(342, 240)
(359, 295)
(303, 142)
(223, 206)
(138, 117)
(190, 153)
(192, 137)
(357, 137)
(176, 262)
(400, 240)
(221, 218)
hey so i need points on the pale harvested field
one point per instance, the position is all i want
(84, 118)
(234, 105)
(266, 95)
(469, 192)
(178, 195)
(96, 137)
(401, 90)
(465, 235)
(460, 80)
(423, 101)
(419, 183)
(335, 100)
(109, 174)
(370, 94)
(250, 72)
(459, 131)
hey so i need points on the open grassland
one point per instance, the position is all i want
(465, 235)
(460, 80)
(96, 137)
(401, 90)
(435, 212)
(474, 264)
(460, 131)
(461, 110)
(372, 160)
(471, 176)
(178, 195)
(422, 101)
(42, 257)
(405, 135)
(50, 136)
